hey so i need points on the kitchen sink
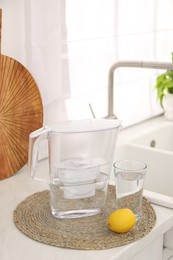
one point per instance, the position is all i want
(159, 177)
(160, 137)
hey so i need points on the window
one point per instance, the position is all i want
(71, 44)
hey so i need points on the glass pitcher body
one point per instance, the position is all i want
(80, 162)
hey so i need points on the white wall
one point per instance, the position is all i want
(13, 33)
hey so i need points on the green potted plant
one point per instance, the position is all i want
(164, 87)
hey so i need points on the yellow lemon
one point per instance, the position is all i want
(121, 220)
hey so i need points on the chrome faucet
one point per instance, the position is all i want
(129, 64)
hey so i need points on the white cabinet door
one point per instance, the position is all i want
(168, 239)
(153, 251)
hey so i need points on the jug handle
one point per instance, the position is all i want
(33, 149)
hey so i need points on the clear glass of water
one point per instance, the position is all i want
(129, 182)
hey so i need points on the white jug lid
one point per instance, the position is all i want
(85, 125)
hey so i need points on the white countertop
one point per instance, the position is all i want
(14, 245)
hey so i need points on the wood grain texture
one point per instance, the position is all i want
(0, 28)
(21, 112)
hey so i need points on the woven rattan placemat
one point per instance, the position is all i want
(33, 218)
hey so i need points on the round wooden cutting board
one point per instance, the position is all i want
(21, 112)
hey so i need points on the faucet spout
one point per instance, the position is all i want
(129, 64)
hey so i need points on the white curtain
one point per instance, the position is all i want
(71, 44)
(47, 54)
